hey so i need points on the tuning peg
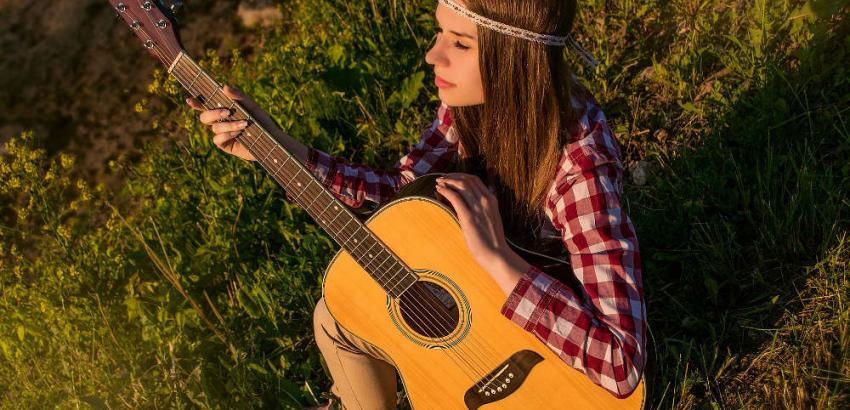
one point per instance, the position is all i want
(176, 5)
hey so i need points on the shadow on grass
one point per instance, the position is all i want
(727, 233)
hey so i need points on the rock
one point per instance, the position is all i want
(263, 13)
(640, 172)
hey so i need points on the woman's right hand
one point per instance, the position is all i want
(225, 130)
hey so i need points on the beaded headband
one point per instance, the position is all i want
(503, 28)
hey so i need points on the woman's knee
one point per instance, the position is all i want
(321, 316)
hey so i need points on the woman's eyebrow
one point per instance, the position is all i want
(461, 34)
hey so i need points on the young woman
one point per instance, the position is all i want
(540, 163)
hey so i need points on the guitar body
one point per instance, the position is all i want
(440, 370)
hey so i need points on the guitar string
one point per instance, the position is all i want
(166, 62)
(260, 141)
(212, 98)
(307, 207)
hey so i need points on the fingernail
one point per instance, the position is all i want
(224, 113)
(243, 124)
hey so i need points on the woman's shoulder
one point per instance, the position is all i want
(592, 142)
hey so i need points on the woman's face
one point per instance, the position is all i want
(455, 59)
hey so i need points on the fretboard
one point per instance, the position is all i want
(307, 191)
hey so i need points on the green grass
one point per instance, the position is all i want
(193, 286)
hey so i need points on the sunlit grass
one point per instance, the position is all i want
(194, 285)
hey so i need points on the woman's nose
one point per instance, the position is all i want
(435, 56)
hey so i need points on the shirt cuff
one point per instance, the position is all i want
(312, 159)
(530, 298)
(315, 159)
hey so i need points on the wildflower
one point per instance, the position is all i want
(85, 194)
(63, 233)
(66, 160)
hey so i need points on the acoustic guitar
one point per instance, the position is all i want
(403, 279)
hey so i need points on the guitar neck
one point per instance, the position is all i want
(331, 214)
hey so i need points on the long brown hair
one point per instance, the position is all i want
(515, 139)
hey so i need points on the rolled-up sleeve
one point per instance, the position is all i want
(354, 183)
(602, 331)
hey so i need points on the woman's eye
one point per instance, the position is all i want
(457, 44)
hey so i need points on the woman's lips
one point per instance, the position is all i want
(442, 83)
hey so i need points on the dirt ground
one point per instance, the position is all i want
(72, 71)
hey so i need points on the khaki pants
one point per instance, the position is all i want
(363, 377)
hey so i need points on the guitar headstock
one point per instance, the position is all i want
(153, 24)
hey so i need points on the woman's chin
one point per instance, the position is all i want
(454, 97)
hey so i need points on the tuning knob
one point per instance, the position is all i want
(176, 5)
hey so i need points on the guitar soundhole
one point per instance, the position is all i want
(429, 310)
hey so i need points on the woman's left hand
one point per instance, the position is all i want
(478, 213)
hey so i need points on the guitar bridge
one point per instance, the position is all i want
(503, 380)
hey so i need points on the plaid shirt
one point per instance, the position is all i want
(600, 332)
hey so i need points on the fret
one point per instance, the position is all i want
(369, 251)
(358, 243)
(398, 278)
(251, 123)
(193, 82)
(298, 192)
(336, 215)
(177, 77)
(348, 221)
(212, 82)
(201, 70)
(294, 174)
(274, 146)
(212, 97)
(315, 197)
(323, 211)
(391, 282)
(380, 266)
(181, 77)
(408, 286)
(254, 142)
(281, 165)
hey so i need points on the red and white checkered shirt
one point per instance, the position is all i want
(600, 332)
